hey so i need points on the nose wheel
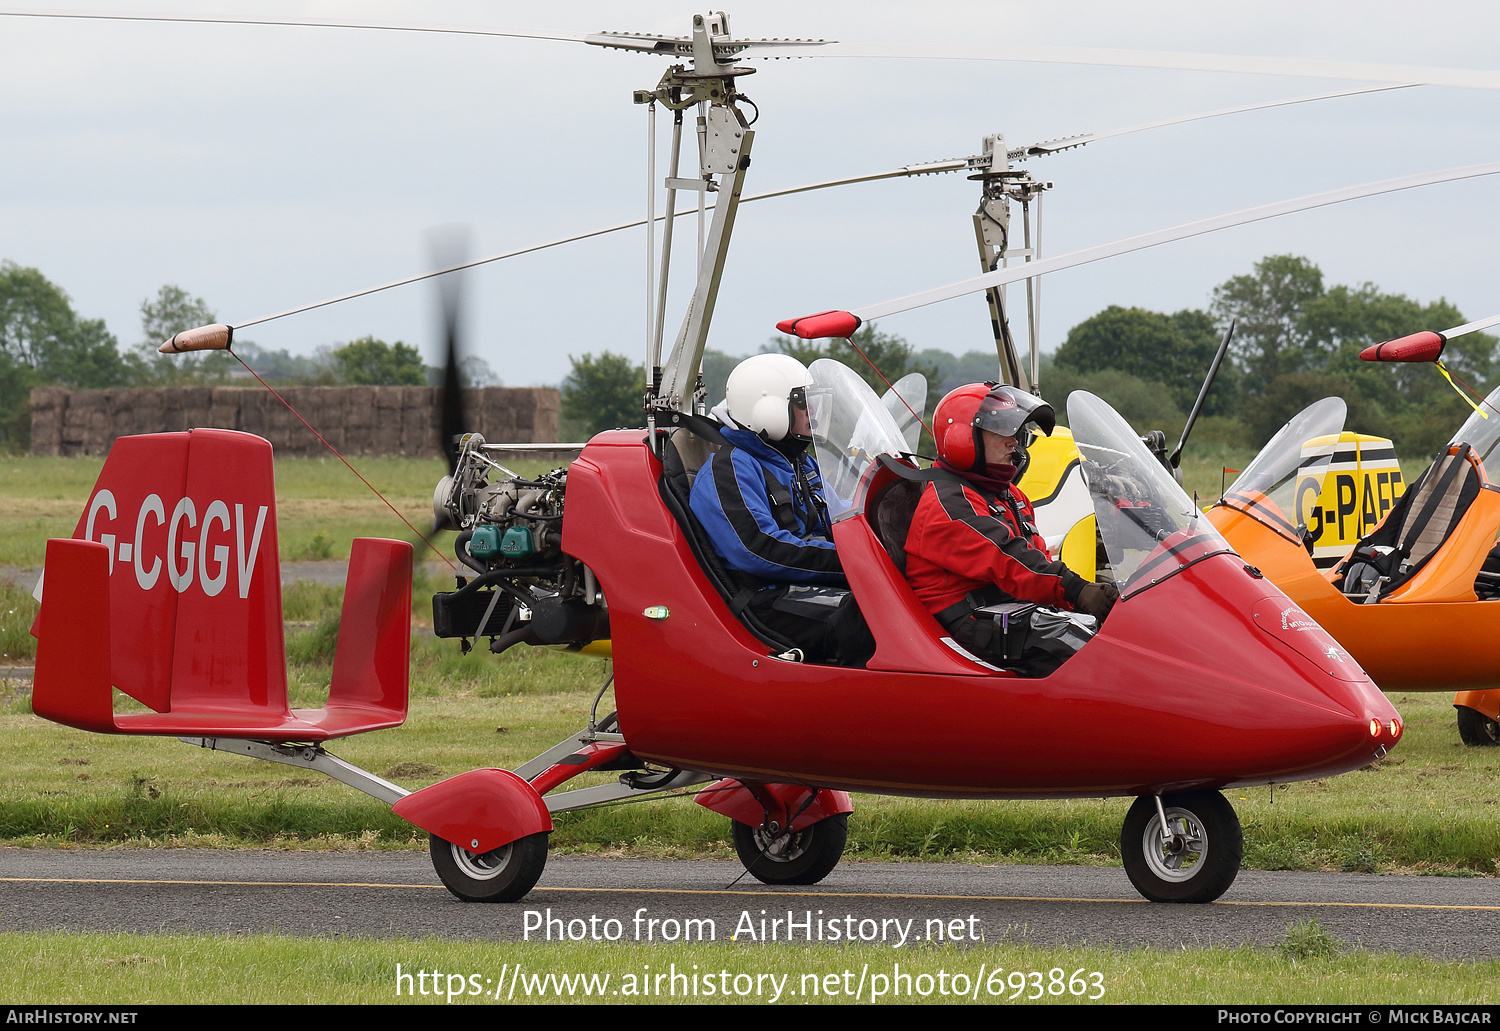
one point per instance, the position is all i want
(1198, 856)
(504, 874)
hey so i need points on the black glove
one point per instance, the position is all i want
(1097, 599)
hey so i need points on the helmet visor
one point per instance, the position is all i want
(1014, 413)
(798, 422)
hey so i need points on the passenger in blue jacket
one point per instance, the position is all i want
(760, 500)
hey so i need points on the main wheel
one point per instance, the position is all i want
(1200, 860)
(502, 875)
(797, 857)
(1475, 728)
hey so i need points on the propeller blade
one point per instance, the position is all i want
(449, 246)
(1015, 273)
(1213, 371)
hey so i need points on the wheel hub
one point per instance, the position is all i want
(784, 847)
(485, 866)
(1180, 856)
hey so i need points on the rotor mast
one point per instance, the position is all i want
(1002, 184)
(724, 138)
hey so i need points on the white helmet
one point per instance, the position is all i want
(762, 391)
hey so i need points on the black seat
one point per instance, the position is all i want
(1419, 523)
(684, 449)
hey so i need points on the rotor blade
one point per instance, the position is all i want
(927, 168)
(449, 245)
(1069, 142)
(1471, 327)
(905, 171)
(1173, 60)
(1213, 371)
(1155, 239)
(930, 168)
(298, 23)
(748, 49)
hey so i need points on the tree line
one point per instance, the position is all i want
(44, 342)
(1297, 340)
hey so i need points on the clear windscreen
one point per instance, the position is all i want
(851, 427)
(1482, 434)
(1150, 529)
(906, 401)
(1293, 462)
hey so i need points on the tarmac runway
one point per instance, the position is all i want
(397, 894)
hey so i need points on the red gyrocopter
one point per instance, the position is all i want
(175, 559)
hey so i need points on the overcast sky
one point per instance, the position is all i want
(264, 167)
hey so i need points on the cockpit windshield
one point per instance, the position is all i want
(1150, 528)
(1293, 463)
(906, 400)
(851, 428)
(1483, 434)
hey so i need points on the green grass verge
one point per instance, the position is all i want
(128, 969)
(18, 610)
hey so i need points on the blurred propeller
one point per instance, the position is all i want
(449, 246)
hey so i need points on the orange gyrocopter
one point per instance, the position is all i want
(1417, 600)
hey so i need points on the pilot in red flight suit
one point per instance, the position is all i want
(973, 540)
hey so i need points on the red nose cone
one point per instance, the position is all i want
(1417, 347)
(823, 324)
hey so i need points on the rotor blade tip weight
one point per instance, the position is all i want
(1425, 346)
(823, 324)
(205, 338)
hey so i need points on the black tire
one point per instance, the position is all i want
(1475, 728)
(1203, 858)
(801, 857)
(503, 875)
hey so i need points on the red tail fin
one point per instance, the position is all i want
(189, 521)
(373, 660)
(72, 652)
(181, 571)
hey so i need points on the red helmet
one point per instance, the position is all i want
(971, 409)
